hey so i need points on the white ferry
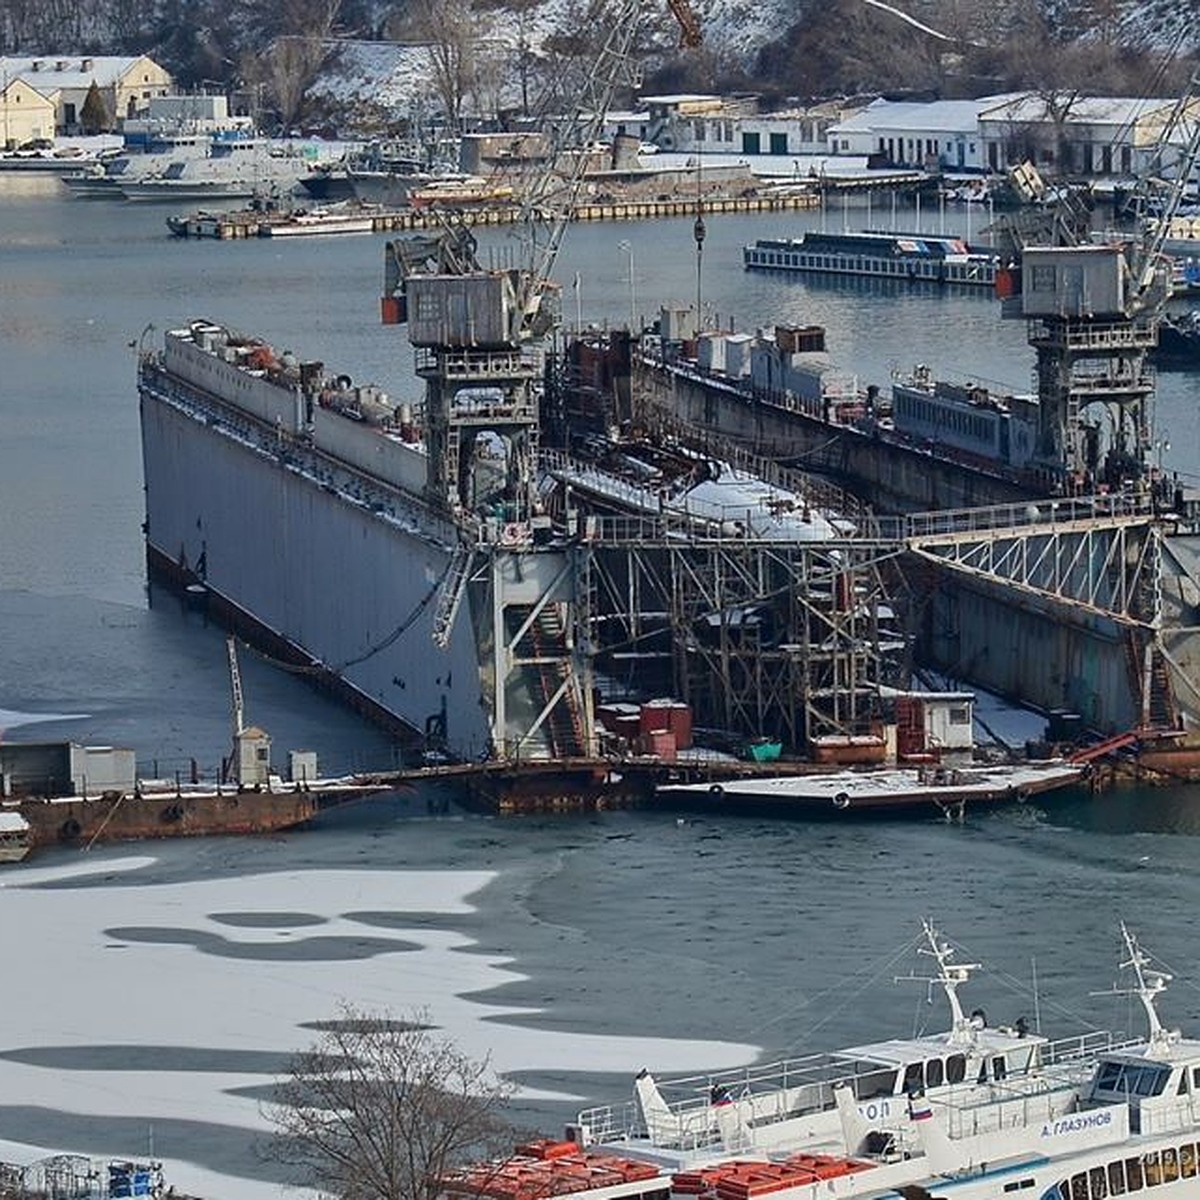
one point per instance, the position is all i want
(907, 257)
(976, 1103)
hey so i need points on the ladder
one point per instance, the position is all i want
(450, 594)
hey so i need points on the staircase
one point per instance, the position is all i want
(546, 657)
(450, 594)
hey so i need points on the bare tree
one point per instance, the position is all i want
(451, 31)
(381, 1109)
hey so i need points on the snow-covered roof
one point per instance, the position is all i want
(60, 71)
(947, 116)
(1105, 110)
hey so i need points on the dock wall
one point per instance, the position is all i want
(349, 586)
(892, 478)
(1038, 651)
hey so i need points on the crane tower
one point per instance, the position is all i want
(1093, 312)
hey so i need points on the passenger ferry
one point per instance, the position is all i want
(1090, 1124)
(908, 257)
(836, 1122)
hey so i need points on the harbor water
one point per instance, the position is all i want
(154, 991)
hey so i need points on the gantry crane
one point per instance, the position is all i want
(476, 328)
(479, 337)
(1093, 312)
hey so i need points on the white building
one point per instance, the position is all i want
(1093, 136)
(1096, 136)
(937, 134)
(706, 124)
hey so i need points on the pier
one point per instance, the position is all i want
(251, 223)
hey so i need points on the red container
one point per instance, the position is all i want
(656, 714)
(681, 725)
(661, 744)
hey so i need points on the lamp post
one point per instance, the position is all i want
(627, 249)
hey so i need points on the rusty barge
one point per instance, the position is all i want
(66, 794)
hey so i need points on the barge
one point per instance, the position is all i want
(60, 793)
(905, 257)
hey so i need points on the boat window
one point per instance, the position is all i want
(1196, 1079)
(1170, 1165)
(874, 1082)
(1151, 1171)
(1133, 1174)
(933, 1073)
(914, 1077)
(999, 1071)
(1187, 1160)
(1079, 1186)
(1098, 1182)
(956, 1068)
(1060, 1191)
(1133, 1079)
(1116, 1178)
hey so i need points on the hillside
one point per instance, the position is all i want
(519, 55)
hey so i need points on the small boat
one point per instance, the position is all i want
(907, 257)
(925, 788)
(321, 220)
(14, 837)
(66, 160)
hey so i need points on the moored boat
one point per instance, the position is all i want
(900, 1116)
(62, 793)
(907, 257)
(924, 789)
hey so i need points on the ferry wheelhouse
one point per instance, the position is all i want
(907, 257)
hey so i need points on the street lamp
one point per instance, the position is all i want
(627, 248)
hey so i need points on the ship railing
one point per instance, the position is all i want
(1121, 506)
(1176, 1114)
(775, 1091)
(477, 364)
(1086, 1047)
(1115, 335)
(966, 1115)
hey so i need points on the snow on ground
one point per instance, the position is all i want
(248, 964)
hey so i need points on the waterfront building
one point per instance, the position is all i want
(939, 134)
(1094, 136)
(126, 83)
(25, 114)
(707, 124)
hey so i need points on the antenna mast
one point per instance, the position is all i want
(950, 976)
